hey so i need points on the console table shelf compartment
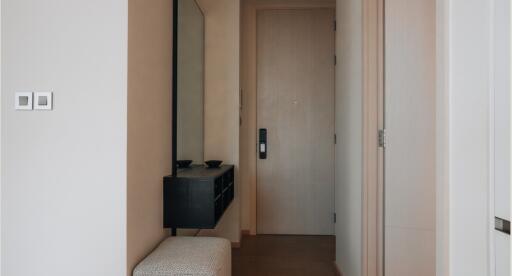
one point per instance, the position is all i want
(197, 197)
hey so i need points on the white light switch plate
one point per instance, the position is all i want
(23, 101)
(43, 101)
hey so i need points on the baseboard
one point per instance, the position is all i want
(235, 245)
(246, 232)
(338, 271)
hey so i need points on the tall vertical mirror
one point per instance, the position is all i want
(188, 88)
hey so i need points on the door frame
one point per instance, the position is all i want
(373, 155)
(373, 120)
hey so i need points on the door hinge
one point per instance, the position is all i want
(335, 139)
(335, 60)
(334, 25)
(334, 217)
(502, 225)
(382, 138)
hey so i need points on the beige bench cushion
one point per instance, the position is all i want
(188, 256)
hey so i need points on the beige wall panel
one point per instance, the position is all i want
(410, 116)
(149, 122)
(222, 18)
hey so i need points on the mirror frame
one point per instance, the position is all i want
(174, 86)
(174, 105)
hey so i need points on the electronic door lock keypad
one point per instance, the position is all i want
(262, 148)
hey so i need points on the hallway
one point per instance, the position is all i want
(269, 255)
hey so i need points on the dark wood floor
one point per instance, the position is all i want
(269, 255)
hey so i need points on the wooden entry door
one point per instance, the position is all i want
(295, 72)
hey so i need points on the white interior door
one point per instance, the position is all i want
(295, 78)
(409, 219)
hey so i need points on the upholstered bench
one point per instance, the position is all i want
(188, 256)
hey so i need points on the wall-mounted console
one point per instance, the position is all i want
(197, 197)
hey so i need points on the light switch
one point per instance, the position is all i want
(43, 101)
(23, 101)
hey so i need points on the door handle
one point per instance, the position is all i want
(262, 146)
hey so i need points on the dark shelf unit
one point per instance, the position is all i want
(197, 197)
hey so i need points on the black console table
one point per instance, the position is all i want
(197, 197)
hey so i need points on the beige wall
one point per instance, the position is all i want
(222, 18)
(248, 134)
(149, 113)
(149, 123)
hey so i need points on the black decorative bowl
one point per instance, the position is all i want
(212, 164)
(183, 163)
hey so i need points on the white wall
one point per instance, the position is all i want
(64, 171)
(464, 32)
(349, 128)
(442, 131)
(501, 128)
(0, 137)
